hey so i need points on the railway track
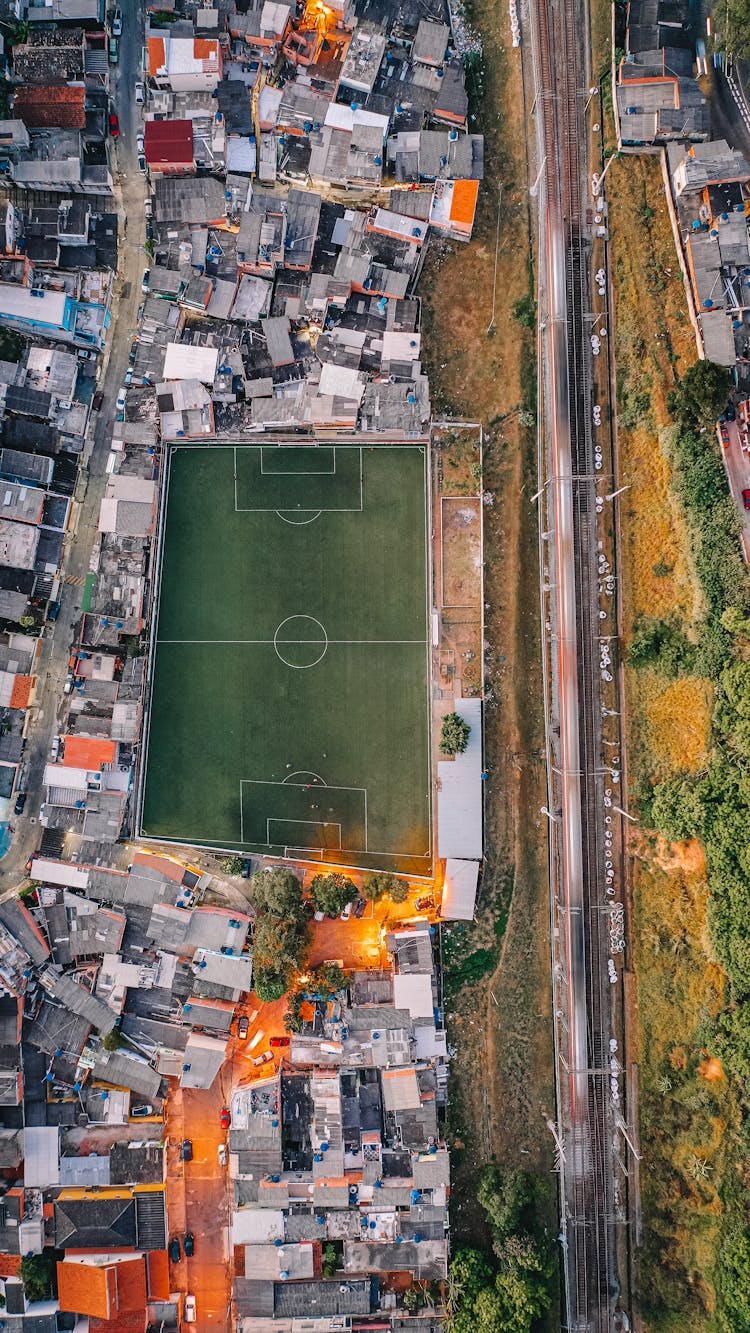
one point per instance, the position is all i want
(578, 786)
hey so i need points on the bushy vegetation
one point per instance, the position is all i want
(281, 933)
(454, 734)
(504, 1292)
(331, 893)
(377, 885)
(714, 806)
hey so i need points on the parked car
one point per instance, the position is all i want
(188, 1242)
(319, 916)
(263, 1059)
(247, 866)
(141, 163)
(242, 1027)
(139, 142)
(730, 412)
(174, 1249)
(279, 1041)
(149, 230)
(186, 1150)
(225, 1117)
(138, 92)
(347, 912)
(222, 1154)
(120, 404)
(137, 1112)
(148, 208)
(97, 400)
(146, 280)
(724, 435)
(117, 24)
(114, 125)
(425, 904)
(189, 1313)
(113, 51)
(359, 907)
(746, 499)
(53, 610)
(54, 749)
(20, 803)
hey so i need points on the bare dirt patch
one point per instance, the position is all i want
(462, 552)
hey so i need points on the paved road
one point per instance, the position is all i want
(48, 708)
(737, 463)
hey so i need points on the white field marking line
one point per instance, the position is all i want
(365, 643)
(305, 521)
(242, 822)
(319, 472)
(318, 823)
(428, 519)
(302, 773)
(255, 509)
(356, 851)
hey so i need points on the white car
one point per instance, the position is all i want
(120, 404)
(189, 1313)
(222, 1154)
(139, 142)
(138, 92)
(347, 912)
(146, 280)
(117, 24)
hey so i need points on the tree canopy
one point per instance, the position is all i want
(454, 734)
(277, 891)
(701, 394)
(332, 892)
(375, 886)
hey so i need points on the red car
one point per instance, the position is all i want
(746, 499)
(114, 125)
(279, 1041)
(226, 1119)
(724, 435)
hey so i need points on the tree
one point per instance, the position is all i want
(737, 37)
(112, 1041)
(470, 1270)
(231, 865)
(270, 983)
(39, 1274)
(276, 890)
(373, 887)
(331, 1259)
(734, 1281)
(332, 892)
(454, 734)
(329, 977)
(700, 395)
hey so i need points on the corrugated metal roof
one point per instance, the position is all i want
(460, 792)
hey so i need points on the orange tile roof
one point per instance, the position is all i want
(205, 48)
(157, 56)
(104, 1290)
(161, 863)
(464, 201)
(86, 1288)
(157, 1266)
(21, 691)
(89, 752)
(10, 1264)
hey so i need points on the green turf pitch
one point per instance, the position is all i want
(290, 680)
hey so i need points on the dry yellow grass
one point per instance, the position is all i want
(677, 719)
(658, 568)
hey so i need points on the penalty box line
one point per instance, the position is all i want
(317, 509)
(320, 472)
(303, 786)
(317, 823)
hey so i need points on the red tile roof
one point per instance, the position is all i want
(169, 142)
(89, 752)
(105, 1290)
(58, 105)
(21, 691)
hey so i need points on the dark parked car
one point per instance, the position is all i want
(359, 907)
(20, 803)
(242, 1027)
(174, 1249)
(729, 412)
(746, 499)
(246, 869)
(97, 400)
(186, 1150)
(189, 1244)
(53, 610)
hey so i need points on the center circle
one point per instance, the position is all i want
(300, 642)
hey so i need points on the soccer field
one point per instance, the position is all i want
(289, 708)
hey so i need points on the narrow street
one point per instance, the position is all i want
(52, 666)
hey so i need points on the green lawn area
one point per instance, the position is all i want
(290, 682)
